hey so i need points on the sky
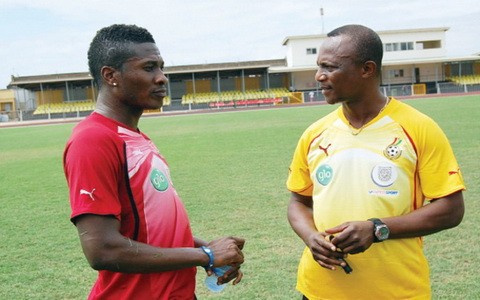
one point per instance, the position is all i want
(52, 36)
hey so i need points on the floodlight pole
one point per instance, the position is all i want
(321, 17)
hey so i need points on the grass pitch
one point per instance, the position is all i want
(230, 170)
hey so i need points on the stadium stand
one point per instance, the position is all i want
(466, 79)
(65, 107)
(71, 107)
(249, 97)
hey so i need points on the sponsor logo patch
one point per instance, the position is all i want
(384, 174)
(383, 192)
(159, 180)
(324, 174)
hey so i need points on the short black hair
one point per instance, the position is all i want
(111, 46)
(367, 43)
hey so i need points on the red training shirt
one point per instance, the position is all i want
(114, 170)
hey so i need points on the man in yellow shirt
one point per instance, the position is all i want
(368, 181)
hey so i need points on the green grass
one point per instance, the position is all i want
(230, 170)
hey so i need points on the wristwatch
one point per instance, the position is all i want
(209, 253)
(380, 230)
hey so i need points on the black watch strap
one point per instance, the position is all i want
(376, 223)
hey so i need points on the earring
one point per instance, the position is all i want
(114, 84)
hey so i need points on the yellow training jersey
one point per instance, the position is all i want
(388, 168)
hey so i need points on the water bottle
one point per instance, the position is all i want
(211, 281)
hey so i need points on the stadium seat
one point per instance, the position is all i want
(465, 79)
(230, 97)
(65, 107)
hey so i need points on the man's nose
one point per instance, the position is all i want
(161, 78)
(320, 76)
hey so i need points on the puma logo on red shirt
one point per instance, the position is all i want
(90, 194)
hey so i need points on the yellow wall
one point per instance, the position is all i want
(7, 95)
(201, 86)
(476, 68)
(49, 96)
(251, 83)
(419, 89)
(286, 80)
(448, 70)
(7, 98)
(91, 93)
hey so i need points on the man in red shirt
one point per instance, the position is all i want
(132, 225)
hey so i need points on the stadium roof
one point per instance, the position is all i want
(225, 66)
(50, 78)
(431, 60)
(85, 76)
(419, 61)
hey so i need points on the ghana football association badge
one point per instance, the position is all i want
(393, 151)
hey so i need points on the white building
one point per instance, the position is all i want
(410, 56)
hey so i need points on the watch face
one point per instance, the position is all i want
(382, 232)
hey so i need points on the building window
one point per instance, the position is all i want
(428, 45)
(403, 46)
(395, 73)
(311, 51)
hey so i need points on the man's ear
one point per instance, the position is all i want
(109, 75)
(369, 69)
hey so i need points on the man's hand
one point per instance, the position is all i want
(227, 251)
(232, 273)
(352, 237)
(324, 251)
